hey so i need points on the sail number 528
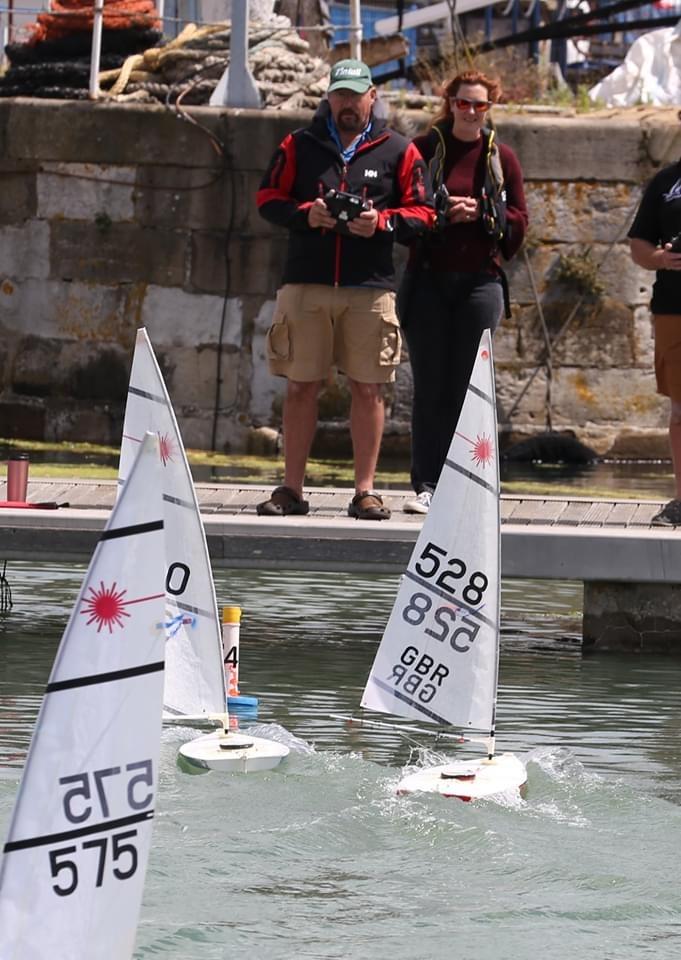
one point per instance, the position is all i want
(428, 566)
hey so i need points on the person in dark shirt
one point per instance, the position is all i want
(656, 224)
(337, 304)
(454, 287)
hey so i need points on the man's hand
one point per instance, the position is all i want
(667, 259)
(365, 224)
(319, 217)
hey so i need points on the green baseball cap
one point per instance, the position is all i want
(350, 75)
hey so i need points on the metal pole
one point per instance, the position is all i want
(355, 30)
(4, 38)
(96, 49)
(242, 90)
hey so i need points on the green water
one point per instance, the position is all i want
(319, 859)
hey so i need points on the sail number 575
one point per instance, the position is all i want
(429, 565)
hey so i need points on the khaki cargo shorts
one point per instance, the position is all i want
(668, 354)
(316, 327)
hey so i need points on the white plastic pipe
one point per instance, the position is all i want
(96, 49)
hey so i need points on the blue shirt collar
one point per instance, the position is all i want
(347, 153)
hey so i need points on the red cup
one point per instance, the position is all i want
(17, 478)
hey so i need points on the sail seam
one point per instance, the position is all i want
(471, 476)
(460, 604)
(132, 530)
(104, 677)
(146, 395)
(178, 502)
(412, 703)
(188, 608)
(480, 393)
(13, 845)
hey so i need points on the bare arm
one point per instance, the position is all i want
(650, 257)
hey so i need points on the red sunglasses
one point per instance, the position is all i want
(480, 106)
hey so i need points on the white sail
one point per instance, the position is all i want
(73, 867)
(195, 681)
(438, 659)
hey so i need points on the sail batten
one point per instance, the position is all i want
(438, 658)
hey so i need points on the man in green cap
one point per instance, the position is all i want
(345, 187)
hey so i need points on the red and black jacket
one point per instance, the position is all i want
(386, 169)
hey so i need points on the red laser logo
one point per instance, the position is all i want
(105, 606)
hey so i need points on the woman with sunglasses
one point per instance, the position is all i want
(453, 287)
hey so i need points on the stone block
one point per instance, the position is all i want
(264, 442)
(116, 253)
(35, 366)
(581, 212)
(252, 136)
(254, 268)
(197, 198)
(85, 191)
(107, 133)
(22, 421)
(631, 443)
(632, 617)
(593, 395)
(191, 372)
(91, 372)
(643, 338)
(18, 193)
(25, 251)
(86, 424)
(267, 391)
(176, 318)
(69, 311)
(600, 335)
(575, 148)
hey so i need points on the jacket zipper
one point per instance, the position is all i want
(337, 266)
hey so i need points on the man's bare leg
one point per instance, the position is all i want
(367, 416)
(675, 441)
(300, 424)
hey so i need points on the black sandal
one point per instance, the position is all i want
(283, 502)
(368, 505)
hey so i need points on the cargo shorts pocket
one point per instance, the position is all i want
(391, 343)
(278, 340)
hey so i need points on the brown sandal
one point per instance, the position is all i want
(284, 502)
(368, 505)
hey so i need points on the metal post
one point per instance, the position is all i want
(96, 49)
(4, 38)
(242, 90)
(355, 30)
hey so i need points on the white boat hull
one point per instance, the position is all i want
(468, 779)
(233, 753)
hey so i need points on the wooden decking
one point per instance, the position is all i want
(542, 537)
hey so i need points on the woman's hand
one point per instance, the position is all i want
(463, 209)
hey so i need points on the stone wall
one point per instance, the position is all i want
(116, 216)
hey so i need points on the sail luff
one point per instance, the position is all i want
(438, 658)
(195, 681)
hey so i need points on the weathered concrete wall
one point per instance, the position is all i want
(115, 216)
